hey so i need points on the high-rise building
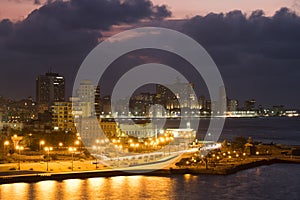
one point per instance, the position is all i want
(177, 95)
(202, 102)
(106, 105)
(89, 95)
(50, 88)
(222, 100)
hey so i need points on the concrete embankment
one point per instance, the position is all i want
(231, 168)
(223, 170)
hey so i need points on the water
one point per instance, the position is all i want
(279, 181)
(280, 130)
(277, 130)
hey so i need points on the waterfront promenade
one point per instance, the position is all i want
(225, 168)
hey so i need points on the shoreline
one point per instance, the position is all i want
(36, 176)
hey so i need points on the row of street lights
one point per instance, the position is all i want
(20, 148)
(60, 144)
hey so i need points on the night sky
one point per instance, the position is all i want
(255, 45)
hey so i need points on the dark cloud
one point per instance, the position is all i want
(59, 25)
(257, 55)
(6, 28)
(275, 37)
(59, 35)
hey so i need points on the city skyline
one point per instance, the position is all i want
(256, 59)
(99, 99)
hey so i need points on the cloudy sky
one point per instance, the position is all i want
(253, 42)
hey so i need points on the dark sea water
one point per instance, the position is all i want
(278, 181)
(277, 130)
(280, 130)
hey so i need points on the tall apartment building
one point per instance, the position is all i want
(177, 95)
(50, 88)
(89, 97)
(62, 118)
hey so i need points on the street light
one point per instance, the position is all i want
(72, 150)
(48, 149)
(77, 142)
(20, 148)
(96, 148)
(30, 135)
(6, 143)
(42, 142)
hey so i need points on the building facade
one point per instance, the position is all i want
(50, 88)
(89, 98)
(62, 118)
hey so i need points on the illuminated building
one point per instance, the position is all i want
(50, 88)
(106, 105)
(89, 97)
(177, 95)
(183, 136)
(140, 104)
(92, 128)
(139, 131)
(202, 102)
(62, 118)
(249, 104)
(222, 101)
(232, 105)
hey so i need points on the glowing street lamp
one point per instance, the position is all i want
(19, 148)
(48, 149)
(77, 143)
(30, 135)
(42, 142)
(97, 147)
(6, 143)
(72, 150)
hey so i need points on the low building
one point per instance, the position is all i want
(139, 131)
(92, 128)
(184, 136)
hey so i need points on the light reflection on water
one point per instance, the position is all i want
(267, 182)
(42, 190)
(16, 190)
